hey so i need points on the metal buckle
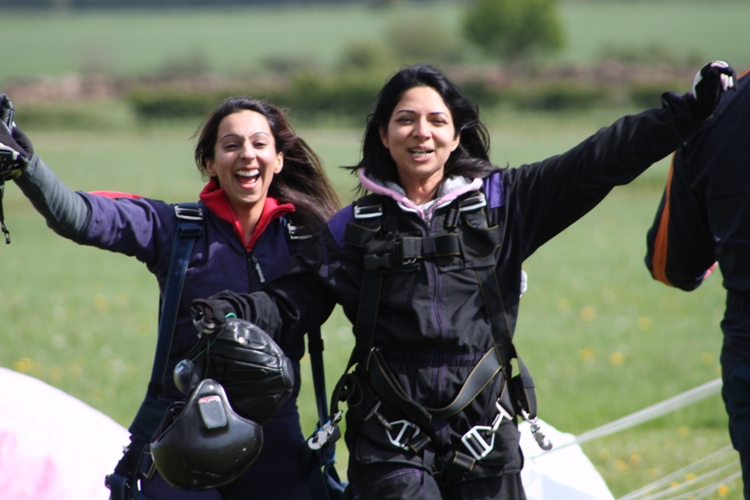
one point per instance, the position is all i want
(188, 213)
(294, 233)
(367, 212)
(325, 433)
(501, 414)
(481, 201)
(536, 431)
(389, 426)
(482, 448)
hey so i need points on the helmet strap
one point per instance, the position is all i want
(2, 216)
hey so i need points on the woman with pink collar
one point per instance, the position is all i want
(428, 269)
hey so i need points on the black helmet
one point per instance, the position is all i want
(203, 443)
(256, 374)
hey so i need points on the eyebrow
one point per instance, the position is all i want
(430, 113)
(260, 132)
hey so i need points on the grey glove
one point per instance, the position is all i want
(709, 84)
(15, 148)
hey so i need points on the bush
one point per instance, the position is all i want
(482, 92)
(649, 95)
(514, 29)
(418, 39)
(348, 95)
(306, 95)
(163, 104)
(98, 115)
(366, 56)
(557, 97)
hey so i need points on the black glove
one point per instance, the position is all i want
(709, 84)
(209, 315)
(15, 148)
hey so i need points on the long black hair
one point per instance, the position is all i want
(301, 182)
(469, 159)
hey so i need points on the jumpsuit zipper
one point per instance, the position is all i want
(434, 274)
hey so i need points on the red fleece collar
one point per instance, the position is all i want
(216, 200)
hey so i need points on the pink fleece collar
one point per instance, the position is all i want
(377, 188)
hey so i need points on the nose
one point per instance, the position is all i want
(421, 129)
(248, 151)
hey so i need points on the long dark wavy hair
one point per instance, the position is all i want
(469, 159)
(301, 182)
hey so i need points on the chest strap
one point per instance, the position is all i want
(377, 232)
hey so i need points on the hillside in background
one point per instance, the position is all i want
(322, 60)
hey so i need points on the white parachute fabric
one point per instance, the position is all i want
(52, 445)
(559, 474)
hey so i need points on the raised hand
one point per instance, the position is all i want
(15, 148)
(709, 84)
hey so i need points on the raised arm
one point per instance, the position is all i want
(65, 211)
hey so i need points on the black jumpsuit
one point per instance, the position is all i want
(704, 217)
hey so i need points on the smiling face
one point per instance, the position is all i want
(420, 137)
(245, 159)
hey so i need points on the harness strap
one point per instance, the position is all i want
(136, 459)
(364, 332)
(495, 310)
(369, 212)
(388, 387)
(3, 227)
(323, 441)
(189, 228)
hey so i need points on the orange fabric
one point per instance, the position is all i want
(661, 244)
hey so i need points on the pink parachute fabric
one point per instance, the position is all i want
(53, 446)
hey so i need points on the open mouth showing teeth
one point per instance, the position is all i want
(419, 153)
(248, 173)
(248, 178)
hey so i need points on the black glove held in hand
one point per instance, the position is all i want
(209, 315)
(15, 148)
(710, 82)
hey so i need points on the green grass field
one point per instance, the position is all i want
(600, 337)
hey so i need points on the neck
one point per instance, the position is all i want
(248, 216)
(422, 192)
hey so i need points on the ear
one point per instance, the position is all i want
(384, 137)
(210, 167)
(456, 141)
(279, 163)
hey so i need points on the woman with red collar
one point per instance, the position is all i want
(260, 176)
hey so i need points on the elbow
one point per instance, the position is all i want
(681, 282)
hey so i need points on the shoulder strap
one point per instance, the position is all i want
(189, 228)
(296, 237)
(122, 483)
(325, 485)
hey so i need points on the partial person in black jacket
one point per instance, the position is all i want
(704, 218)
(428, 269)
